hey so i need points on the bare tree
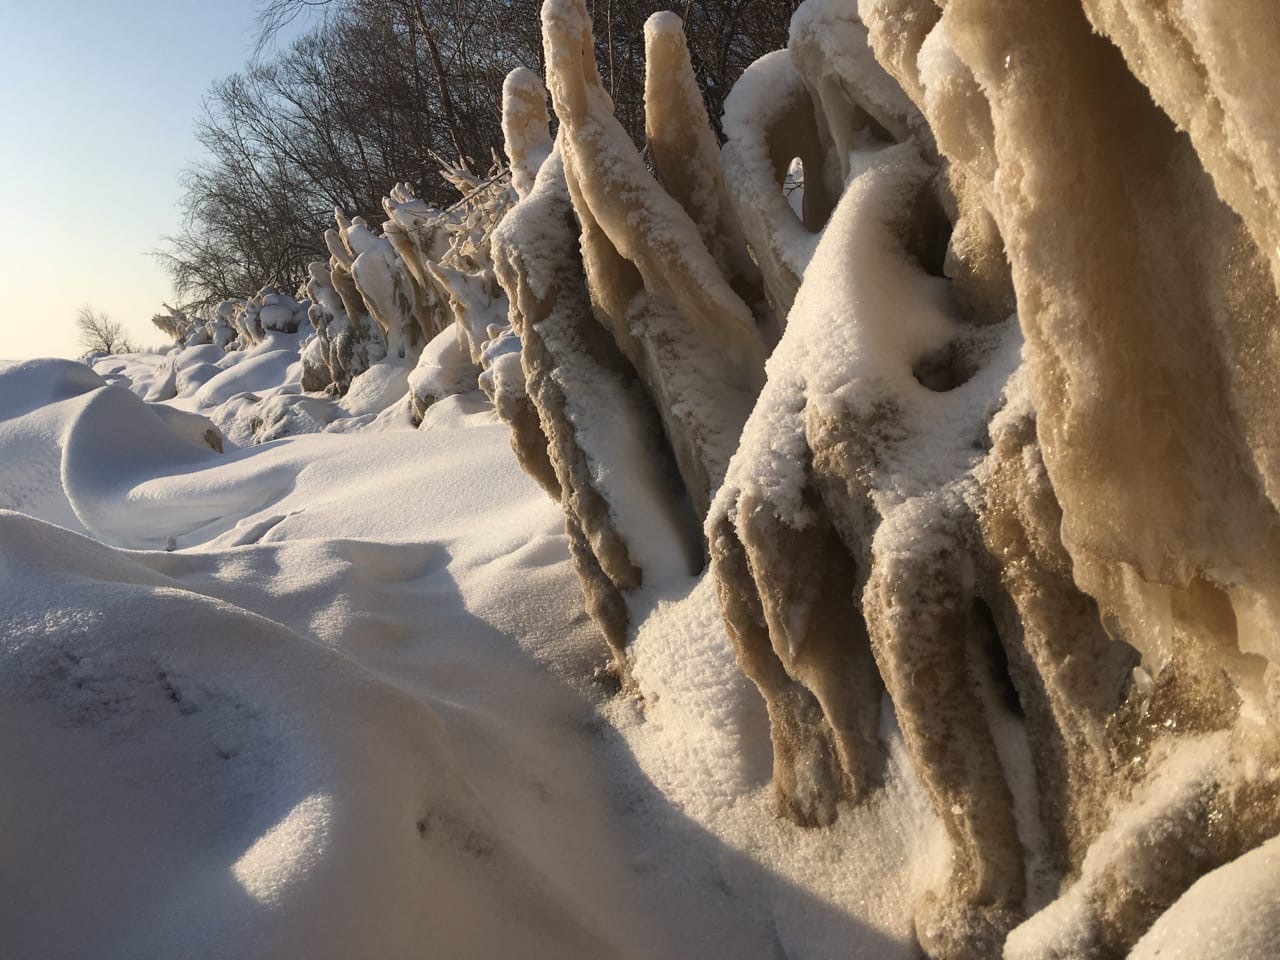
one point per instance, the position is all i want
(98, 333)
(354, 106)
(372, 94)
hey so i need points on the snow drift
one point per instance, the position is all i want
(330, 695)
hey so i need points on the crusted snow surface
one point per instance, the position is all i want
(1232, 913)
(332, 701)
(701, 735)
(854, 340)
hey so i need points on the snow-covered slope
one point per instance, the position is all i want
(330, 696)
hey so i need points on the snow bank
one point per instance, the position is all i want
(194, 778)
(351, 714)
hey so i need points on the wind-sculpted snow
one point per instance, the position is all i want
(1011, 470)
(187, 774)
(196, 778)
(315, 725)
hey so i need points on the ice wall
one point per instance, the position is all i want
(382, 296)
(1012, 464)
(386, 295)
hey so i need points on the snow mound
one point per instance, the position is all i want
(339, 705)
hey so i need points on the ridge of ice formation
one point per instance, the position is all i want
(1013, 466)
(387, 295)
(373, 308)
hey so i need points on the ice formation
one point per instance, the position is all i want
(640, 356)
(373, 308)
(654, 285)
(1013, 467)
(580, 386)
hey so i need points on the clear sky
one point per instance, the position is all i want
(97, 105)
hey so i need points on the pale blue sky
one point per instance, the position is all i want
(97, 103)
